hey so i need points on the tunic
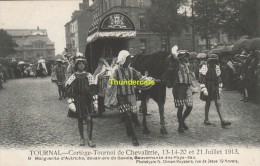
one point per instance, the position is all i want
(125, 74)
(211, 78)
(125, 93)
(80, 87)
(182, 90)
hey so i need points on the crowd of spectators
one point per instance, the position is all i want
(239, 72)
(14, 70)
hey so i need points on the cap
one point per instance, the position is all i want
(58, 60)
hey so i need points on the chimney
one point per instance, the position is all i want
(86, 3)
(82, 6)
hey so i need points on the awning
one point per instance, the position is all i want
(113, 25)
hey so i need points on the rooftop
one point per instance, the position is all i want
(26, 32)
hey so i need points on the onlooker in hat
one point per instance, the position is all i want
(82, 94)
(70, 68)
(210, 83)
(258, 84)
(252, 76)
(244, 75)
(34, 70)
(238, 68)
(60, 70)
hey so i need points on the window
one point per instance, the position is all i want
(123, 2)
(141, 3)
(142, 21)
(163, 42)
(38, 44)
(105, 5)
(101, 7)
(143, 46)
(73, 42)
(49, 52)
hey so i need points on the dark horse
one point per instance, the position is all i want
(161, 66)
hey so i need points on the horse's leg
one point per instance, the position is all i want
(144, 109)
(162, 118)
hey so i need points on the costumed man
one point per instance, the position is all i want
(183, 87)
(126, 96)
(102, 73)
(244, 75)
(70, 68)
(59, 71)
(82, 100)
(252, 76)
(210, 86)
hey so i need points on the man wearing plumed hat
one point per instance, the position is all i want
(183, 87)
(210, 86)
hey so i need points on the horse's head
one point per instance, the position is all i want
(170, 70)
(153, 64)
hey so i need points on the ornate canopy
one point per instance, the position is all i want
(113, 25)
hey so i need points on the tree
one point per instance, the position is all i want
(207, 18)
(163, 18)
(7, 44)
(239, 17)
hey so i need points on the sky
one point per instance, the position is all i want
(50, 15)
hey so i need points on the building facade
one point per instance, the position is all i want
(77, 30)
(145, 41)
(32, 44)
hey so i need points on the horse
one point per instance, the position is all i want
(161, 66)
(41, 69)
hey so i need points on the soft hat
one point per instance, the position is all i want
(58, 60)
(213, 57)
(123, 54)
(183, 53)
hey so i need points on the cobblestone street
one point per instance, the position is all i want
(32, 116)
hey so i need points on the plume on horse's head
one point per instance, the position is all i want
(175, 50)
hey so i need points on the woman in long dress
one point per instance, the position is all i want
(103, 71)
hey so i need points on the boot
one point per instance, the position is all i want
(91, 144)
(135, 141)
(82, 142)
(185, 127)
(180, 129)
(135, 119)
(128, 133)
(225, 123)
(207, 123)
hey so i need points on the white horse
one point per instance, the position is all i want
(41, 68)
